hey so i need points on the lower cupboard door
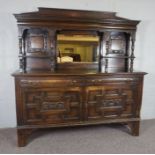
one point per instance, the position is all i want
(51, 106)
(109, 102)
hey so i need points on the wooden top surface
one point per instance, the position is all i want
(75, 73)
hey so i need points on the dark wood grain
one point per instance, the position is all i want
(51, 94)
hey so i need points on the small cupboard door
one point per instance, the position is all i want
(51, 105)
(109, 101)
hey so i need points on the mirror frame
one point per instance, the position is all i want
(80, 65)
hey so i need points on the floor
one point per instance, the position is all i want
(92, 139)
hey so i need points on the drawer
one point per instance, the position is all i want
(111, 81)
(72, 81)
(50, 82)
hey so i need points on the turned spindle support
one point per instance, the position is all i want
(132, 56)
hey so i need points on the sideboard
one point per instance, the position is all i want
(100, 87)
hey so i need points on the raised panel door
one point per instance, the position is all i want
(51, 105)
(106, 102)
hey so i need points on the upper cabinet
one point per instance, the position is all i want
(59, 39)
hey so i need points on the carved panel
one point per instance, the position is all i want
(37, 49)
(105, 102)
(115, 42)
(37, 40)
(116, 51)
(52, 106)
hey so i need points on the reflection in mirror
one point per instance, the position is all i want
(77, 48)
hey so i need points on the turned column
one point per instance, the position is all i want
(132, 56)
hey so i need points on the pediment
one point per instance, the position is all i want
(78, 16)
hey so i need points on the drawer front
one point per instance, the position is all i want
(110, 80)
(74, 81)
(51, 105)
(110, 101)
(60, 82)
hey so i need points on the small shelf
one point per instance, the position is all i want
(35, 56)
(119, 57)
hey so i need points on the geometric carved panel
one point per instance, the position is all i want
(37, 40)
(106, 103)
(52, 106)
